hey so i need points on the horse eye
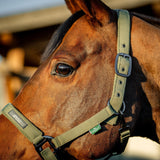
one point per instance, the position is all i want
(63, 70)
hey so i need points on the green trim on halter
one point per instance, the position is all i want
(108, 114)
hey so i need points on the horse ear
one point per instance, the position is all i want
(93, 8)
(77, 5)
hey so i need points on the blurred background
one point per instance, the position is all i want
(25, 29)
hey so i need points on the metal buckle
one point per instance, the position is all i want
(124, 134)
(48, 139)
(130, 65)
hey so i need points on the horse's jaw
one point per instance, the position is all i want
(13, 144)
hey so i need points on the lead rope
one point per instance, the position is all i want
(109, 114)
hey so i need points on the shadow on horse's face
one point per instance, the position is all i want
(75, 81)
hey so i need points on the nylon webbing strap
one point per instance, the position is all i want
(33, 134)
(123, 43)
(123, 62)
(47, 154)
(82, 128)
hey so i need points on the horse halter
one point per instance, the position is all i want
(109, 114)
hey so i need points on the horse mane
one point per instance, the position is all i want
(152, 20)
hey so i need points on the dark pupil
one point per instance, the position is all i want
(64, 69)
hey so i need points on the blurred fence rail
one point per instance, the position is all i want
(56, 15)
(34, 19)
(128, 4)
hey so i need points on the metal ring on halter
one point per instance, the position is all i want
(123, 108)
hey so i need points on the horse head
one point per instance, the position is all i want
(75, 81)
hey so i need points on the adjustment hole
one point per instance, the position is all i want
(118, 94)
(120, 82)
(123, 69)
(124, 45)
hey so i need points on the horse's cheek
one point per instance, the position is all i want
(95, 146)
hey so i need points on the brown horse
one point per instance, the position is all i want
(75, 81)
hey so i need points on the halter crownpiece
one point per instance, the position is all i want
(109, 114)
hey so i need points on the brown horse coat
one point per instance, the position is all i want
(56, 104)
